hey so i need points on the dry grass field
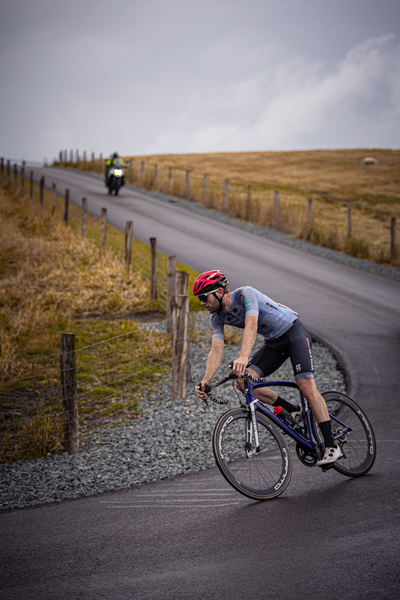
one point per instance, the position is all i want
(53, 281)
(334, 179)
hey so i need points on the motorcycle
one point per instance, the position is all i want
(115, 178)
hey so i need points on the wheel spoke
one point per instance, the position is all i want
(262, 475)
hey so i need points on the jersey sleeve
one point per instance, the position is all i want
(217, 327)
(250, 302)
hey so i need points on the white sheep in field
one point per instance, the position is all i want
(369, 161)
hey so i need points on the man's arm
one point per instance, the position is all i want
(213, 362)
(249, 337)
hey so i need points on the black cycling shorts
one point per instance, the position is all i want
(294, 344)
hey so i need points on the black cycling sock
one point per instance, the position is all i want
(286, 405)
(326, 431)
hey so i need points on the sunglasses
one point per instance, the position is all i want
(203, 297)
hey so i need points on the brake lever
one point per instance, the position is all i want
(207, 391)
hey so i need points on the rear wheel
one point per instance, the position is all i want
(259, 475)
(352, 431)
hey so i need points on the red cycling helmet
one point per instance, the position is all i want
(208, 282)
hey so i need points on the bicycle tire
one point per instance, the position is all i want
(359, 446)
(263, 476)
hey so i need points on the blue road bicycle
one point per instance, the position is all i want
(254, 456)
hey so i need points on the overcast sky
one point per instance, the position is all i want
(173, 76)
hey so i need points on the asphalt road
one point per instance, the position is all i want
(193, 536)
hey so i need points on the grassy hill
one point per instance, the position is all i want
(338, 173)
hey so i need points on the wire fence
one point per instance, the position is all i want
(112, 382)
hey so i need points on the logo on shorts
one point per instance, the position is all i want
(298, 368)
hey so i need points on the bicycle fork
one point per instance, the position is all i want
(252, 438)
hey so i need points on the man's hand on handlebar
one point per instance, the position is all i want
(200, 390)
(239, 365)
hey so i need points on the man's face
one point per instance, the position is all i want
(211, 303)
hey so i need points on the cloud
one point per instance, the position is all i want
(297, 104)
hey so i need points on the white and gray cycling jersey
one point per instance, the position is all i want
(274, 319)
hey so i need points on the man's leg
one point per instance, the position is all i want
(314, 398)
(320, 411)
(268, 396)
(265, 394)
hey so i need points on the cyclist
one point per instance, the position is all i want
(284, 337)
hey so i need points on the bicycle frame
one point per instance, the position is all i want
(253, 403)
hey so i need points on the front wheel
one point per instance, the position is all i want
(352, 431)
(262, 474)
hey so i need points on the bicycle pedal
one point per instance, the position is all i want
(327, 467)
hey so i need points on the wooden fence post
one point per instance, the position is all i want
(188, 185)
(171, 288)
(103, 230)
(41, 191)
(22, 182)
(226, 195)
(277, 208)
(53, 197)
(1, 168)
(170, 180)
(84, 217)
(128, 243)
(393, 253)
(349, 223)
(182, 283)
(155, 176)
(153, 285)
(309, 210)
(66, 207)
(205, 183)
(182, 288)
(69, 392)
(142, 172)
(248, 208)
(15, 176)
(31, 187)
(180, 329)
(8, 171)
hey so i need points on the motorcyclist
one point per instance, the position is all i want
(112, 161)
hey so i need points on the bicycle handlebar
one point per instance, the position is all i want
(231, 376)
